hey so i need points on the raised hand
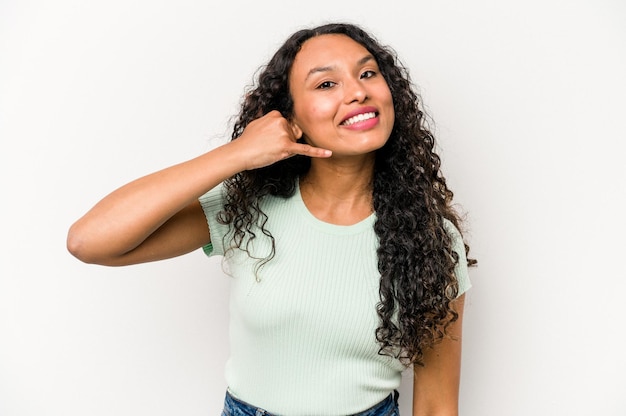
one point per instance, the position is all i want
(269, 139)
(158, 216)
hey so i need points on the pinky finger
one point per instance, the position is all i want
(308, 150)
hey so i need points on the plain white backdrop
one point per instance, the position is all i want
(528, 102)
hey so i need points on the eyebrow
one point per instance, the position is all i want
(315, 70)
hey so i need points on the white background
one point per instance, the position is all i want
(528, 101)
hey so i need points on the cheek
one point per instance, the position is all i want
(391, 113)
(320, 111)
(314, 116)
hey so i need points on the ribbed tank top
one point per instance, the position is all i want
(302, 326)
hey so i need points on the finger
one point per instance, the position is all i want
(295, 130)
(308, 150)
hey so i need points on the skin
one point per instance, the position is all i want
(436, 384)
(333, 77)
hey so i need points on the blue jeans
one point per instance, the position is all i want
(236, 407)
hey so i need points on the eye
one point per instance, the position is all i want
(325, 85)
(368, 74)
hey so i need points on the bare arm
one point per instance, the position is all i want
(436, 384)
(158, 216)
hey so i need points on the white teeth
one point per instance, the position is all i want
(360, 117)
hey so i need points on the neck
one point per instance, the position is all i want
(339, 192)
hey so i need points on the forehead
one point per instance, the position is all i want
(327, 49)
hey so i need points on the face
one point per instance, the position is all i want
(341, 100)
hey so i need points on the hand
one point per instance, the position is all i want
(272, 138)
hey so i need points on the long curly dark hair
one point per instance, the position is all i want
(410, 197)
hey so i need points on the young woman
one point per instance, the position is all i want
(330, 209)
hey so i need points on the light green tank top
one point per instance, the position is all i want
(302, 327)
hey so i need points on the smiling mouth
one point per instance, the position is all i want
(358, 118)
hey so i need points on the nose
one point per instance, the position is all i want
(354, 90)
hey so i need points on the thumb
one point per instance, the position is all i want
(296, 130)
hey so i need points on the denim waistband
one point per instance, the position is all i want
(236, 407)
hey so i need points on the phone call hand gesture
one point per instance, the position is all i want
(272, 138)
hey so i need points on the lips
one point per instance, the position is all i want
(356, 119)
(362, 114)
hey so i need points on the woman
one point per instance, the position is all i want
(331, 211)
